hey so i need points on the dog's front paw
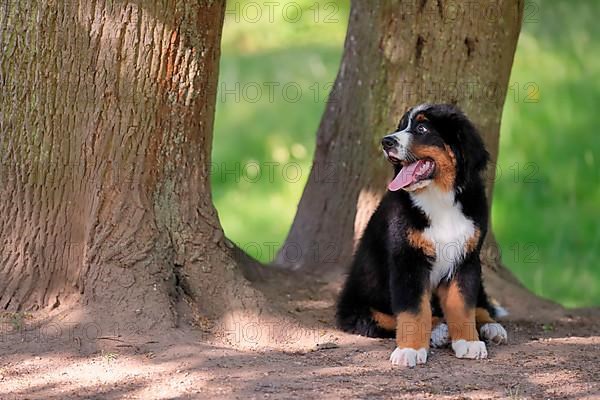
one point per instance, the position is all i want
(469, 349)
(440, 336)
(407, 357)
(494, 332)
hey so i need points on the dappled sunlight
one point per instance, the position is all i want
(569, 353)
(250, 331)
(163, 308)
(558, 361)
(312, 304)
(368, 200)
(109, 374)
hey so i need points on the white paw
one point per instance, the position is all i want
(408, 357)
(494, 332)
(467, 349)
(440, 336)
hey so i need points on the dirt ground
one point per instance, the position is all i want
(552, 360)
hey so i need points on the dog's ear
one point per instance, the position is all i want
(475, 156)
(464, 140)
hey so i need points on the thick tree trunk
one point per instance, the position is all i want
(106, 115)
(398, 54)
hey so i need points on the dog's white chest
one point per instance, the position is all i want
(449, 231)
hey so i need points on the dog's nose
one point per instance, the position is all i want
(388, 142)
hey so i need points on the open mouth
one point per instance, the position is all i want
(411, 173)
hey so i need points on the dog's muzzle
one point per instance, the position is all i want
(389, 142)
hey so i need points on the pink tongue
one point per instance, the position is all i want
(405, 177)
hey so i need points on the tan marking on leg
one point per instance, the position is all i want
(445, 164)
(414, 329)
(482, 316)
(460, 317)
(472, 242)
(388, 321)
(383, 320)
(417, 240)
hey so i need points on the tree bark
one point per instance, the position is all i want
(399, 54)
(105, 138)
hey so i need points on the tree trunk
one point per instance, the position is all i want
(105, 137)
(399, 54)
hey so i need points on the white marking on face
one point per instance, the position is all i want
(440, 336)
(449, 230)
(494, 332)
(404, 137)
(407, 357)
(474, 350)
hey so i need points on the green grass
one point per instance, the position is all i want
(554, 143)
(277, 131)
(547, 197)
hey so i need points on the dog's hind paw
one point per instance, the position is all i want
(407, 357)
(494, 332)
(469, 349)
(440, 336)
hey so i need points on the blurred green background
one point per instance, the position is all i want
(277, 66)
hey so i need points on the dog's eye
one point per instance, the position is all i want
(421, 128)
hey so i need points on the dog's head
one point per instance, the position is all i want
(434, 144)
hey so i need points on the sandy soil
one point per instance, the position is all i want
(542, 361)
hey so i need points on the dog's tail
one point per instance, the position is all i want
(352, 317)
(365, 325)
(499, 311)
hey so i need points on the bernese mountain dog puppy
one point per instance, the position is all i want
(416, 273)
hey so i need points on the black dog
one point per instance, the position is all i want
(418, 260)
